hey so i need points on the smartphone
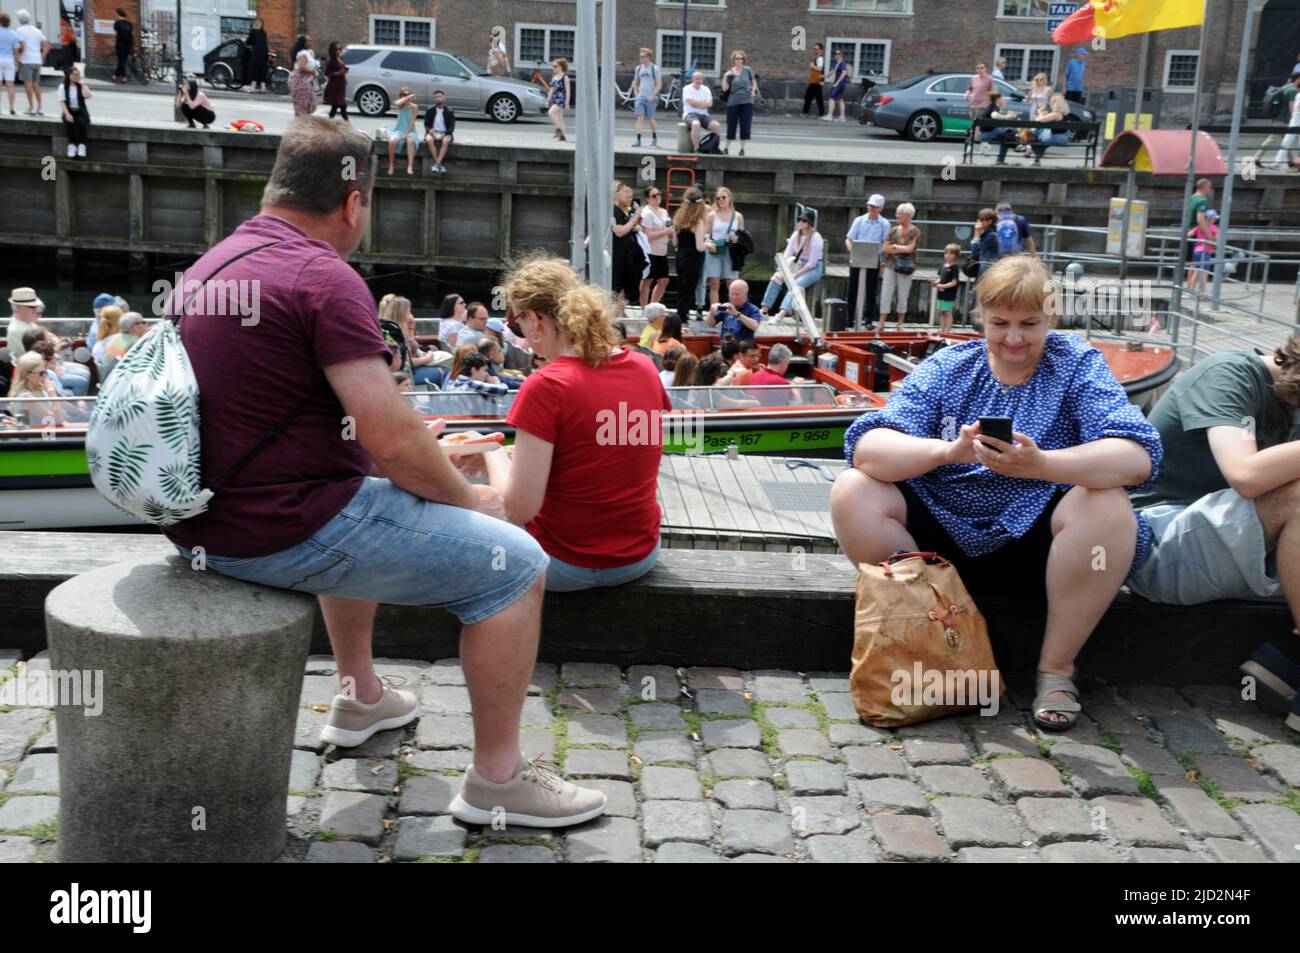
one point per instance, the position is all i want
(999, 428)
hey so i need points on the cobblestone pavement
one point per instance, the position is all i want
(709, 765)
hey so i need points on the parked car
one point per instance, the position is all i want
(924, 108)
(377, 73)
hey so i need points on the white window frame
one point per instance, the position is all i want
(1000, 54)
(695, 5)
(1169, 59)
(855, 71)
(548, 28)
(403, 20)
(690, 35)
(1021, 18)
(822, 11)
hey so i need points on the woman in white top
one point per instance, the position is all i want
(722, 224)
(804, 252)
(498, 58)
(72, 102)
(657, 227)
(1039, 94)
(30, 381)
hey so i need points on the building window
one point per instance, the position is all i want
(537, 42)
(863, 56)
(706, 51)
(1026, 62)
(1180, 71)
(388, 30)
(1025, 9)
(860, 6)
(715, 4)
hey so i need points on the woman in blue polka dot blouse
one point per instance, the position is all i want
(1046, 517)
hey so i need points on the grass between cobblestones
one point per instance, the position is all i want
(1188, 763)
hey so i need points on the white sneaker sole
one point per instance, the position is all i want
(463, 811)
(1268, 680)
(350, 739)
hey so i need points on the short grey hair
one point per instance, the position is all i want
(129, 321)
(654, 310)
(309, 172)
(906, 208)
(23, 16)
(779, 354)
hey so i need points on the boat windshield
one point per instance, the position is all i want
(750, 397)
(436, 403)
(44, 413)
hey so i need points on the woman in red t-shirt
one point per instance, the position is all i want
(588, 435)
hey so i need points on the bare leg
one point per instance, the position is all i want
(645, 293)
(351, 625)
(869, 517)
(695, 134)
(498, 655)
(713, 291)
(1094, 536)
(660, 287)
(1279, 511)
(392, 154)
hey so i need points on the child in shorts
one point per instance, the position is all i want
(946, 286)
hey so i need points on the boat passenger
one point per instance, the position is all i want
(588, 434)
(670, 335)
(670, 364)
(1225, 506)
(31, 384)
(491, 350)
(923, 477)
(452, 319)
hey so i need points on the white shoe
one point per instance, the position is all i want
(984, 148)
(81, 150)
(72, 151)
(828, 118)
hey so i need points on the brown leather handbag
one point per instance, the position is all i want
(920, 646)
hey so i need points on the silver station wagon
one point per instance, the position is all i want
(377, 73)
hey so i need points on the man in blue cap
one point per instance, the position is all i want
(1074, 75)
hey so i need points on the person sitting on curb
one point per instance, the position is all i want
(1226, 504)
(362, 515)
(697, 100)
(439, 130)
(1023, 518)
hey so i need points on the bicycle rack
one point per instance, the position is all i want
(682, 172)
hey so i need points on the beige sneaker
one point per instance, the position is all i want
(535, 797)
(352, 722)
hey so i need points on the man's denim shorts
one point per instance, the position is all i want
(1211, 549)
(646, 106)
(391, 546)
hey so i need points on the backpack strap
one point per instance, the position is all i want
(280, 427)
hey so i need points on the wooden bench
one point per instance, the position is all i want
(1085, 135)
(706, 607)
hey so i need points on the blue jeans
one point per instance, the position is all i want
(1048, 138)
(565, 577)
(75, 380)
(774, 288)
(1002, 137)
(391, 546)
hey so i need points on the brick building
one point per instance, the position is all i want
(205, 23)
(897, 37)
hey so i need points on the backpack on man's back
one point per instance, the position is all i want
(1008, 232)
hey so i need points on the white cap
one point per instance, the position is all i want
(877, 201)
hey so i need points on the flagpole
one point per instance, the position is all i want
(1225, 208)
(1181, 273)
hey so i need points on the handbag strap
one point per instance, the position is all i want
(888, 567)
(280, 427)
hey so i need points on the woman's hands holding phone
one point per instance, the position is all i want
(1022, 459)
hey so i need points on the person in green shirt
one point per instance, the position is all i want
(1196, 210)
(1224, 509)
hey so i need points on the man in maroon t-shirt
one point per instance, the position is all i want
(778, 362)
(288, 329)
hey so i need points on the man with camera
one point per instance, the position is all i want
(739, 317)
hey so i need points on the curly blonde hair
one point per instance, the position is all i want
(547, 286)
(692, 210)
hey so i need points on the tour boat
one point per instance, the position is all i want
(45, 484)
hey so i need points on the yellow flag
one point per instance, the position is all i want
(1116, 18)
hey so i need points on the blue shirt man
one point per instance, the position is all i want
(733, 310)
(1074, 75)
(870, 227)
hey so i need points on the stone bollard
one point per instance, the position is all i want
(684, 146)
(188, 760)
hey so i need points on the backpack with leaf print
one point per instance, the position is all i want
(142, 442)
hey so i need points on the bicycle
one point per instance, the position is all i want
(670, 98)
